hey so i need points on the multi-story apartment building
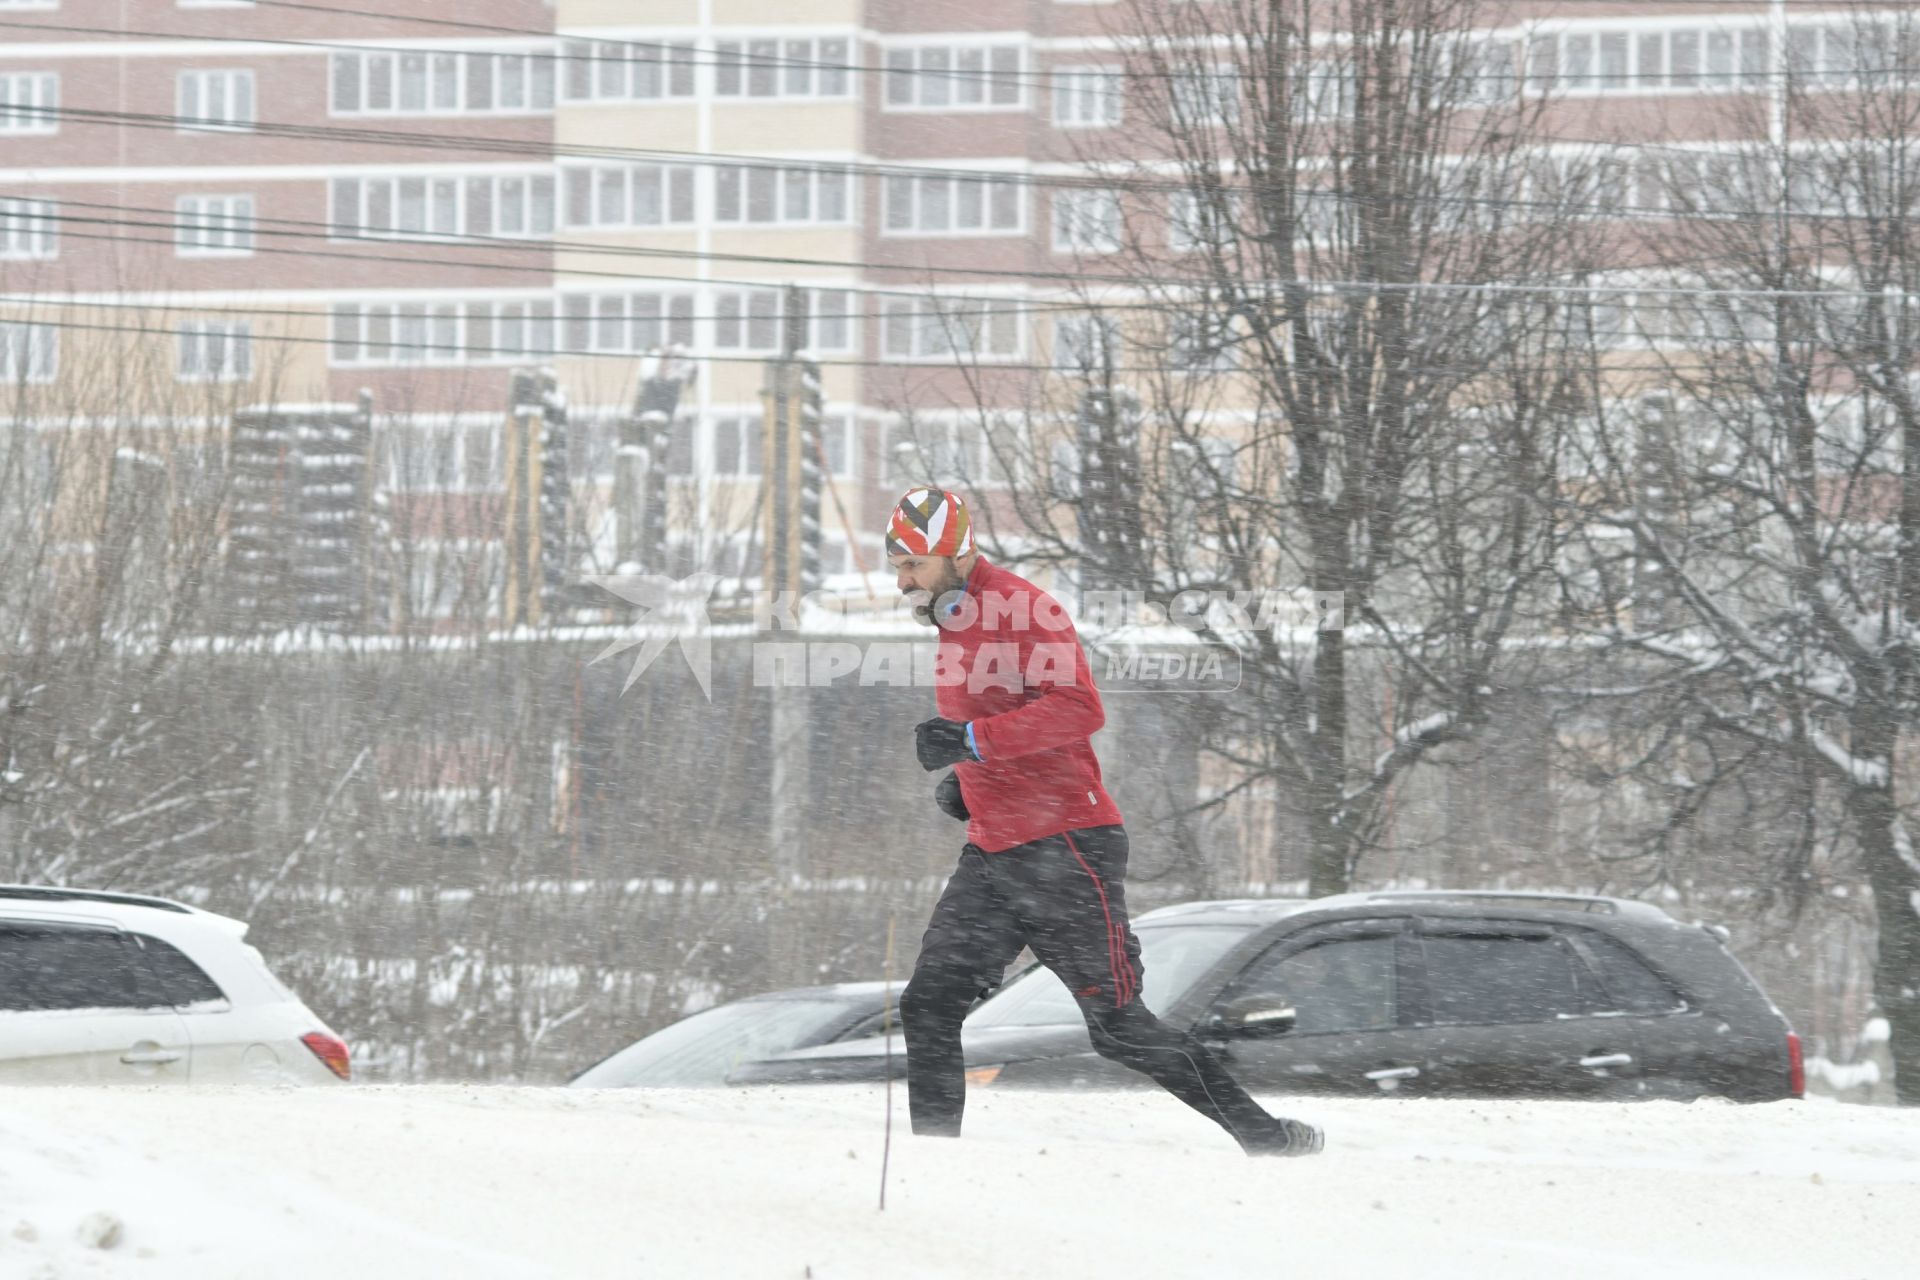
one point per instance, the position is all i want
(210, 205)
(270, 203)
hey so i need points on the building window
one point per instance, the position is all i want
(443, 204)
(30, 102)
(216, 100)
(1832, 56)
(747, 320)
(1478, 72)
(754, 320)
(954, 77)
(1201, 340)
(28, 229)
(1327, 93)
(216, 351)
(635, 322)
(953, 206)
(630, 195)
(738, 440)
(508, 331)
(628, 71)
(510, 206)
(840, 443)
(1086, 97)
(737, 444)
(1689, 59)
(1196, 222)
(28, 352)
(399, 333)
(768, 195)
(1204, 96)
(772, 68)
(1086, 221)
(442, 333)
(393, 83)
(949, 451)
(213, 226)
(970, 329)
(830, 317)
(1085, 344)
(428, 454)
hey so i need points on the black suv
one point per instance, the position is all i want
(1443, 993)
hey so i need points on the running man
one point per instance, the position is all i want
(1045, 861)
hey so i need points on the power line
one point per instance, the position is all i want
(546, 149)
(1201, 286)
(1669, 7)
(985, 364)
(1044, 77)
(340, 235)
(654, 156)
(598, 274)
(550, 150)
(1028, 307)
(1580, 294)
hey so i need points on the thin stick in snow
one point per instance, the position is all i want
(886, 1033)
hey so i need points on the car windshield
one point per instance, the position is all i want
(700, 1050)
(1173, 955)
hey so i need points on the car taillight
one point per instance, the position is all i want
(331, 1050)
(1796, 1067)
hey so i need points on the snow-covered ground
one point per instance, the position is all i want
(424, 1182)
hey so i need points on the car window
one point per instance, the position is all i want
(1483, 978)
(60, 966)
(701, 1049)
(876, 1024)
(1173, 957)
(1342, 984)
(173, 977)
(1631, 987)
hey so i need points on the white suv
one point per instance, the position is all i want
(114, 987)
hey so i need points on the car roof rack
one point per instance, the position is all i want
(1512, 897)
(41, 893)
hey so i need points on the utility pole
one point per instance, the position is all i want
(536, 501)
(789, 779)
(641, 461)
(309, 530)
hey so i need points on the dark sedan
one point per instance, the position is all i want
(1458, 993)
(700, 1049)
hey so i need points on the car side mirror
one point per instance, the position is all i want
(1252, 1018)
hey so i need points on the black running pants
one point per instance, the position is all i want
(1063, 896)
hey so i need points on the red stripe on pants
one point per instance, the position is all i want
(1117, 963)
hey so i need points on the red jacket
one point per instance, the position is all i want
(1011, 664)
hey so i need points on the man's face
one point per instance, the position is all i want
(923, 580)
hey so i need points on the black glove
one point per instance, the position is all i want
(947, 796)
(940, 743)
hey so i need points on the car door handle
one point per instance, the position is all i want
(156, 1057)
(1594, 1061)
(1394, 1073)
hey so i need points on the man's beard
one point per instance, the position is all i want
(929, 605)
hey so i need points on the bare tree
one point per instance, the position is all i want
(112, 516)
(1317, 348)
(1751, 533)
